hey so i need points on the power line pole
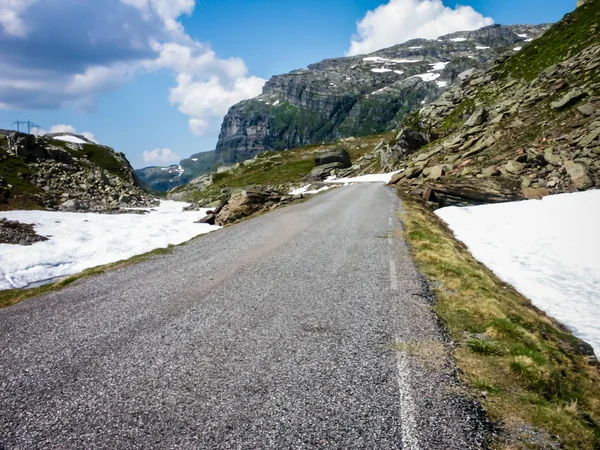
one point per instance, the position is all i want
(29, 124)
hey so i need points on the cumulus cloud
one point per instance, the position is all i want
(10, 16)
(401, 20)
(73, 51)
(161, 155)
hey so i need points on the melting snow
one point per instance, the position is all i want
(547, 249)
(427, 76)
(522, 35)
(372, 178)
(377, 59)
(82, 240)
(442, 83)
(458, 39)
(398, 72)
(481, 47)
(381, 70)
(71, 139)
(305, 190)
(415, 48)
(276, 103)
(516, 49)
(438, 66)
(529, 40)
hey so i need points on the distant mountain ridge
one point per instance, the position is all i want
(349, 96)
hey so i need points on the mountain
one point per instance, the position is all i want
(167, 177)
(66, 172)
(360, 95)
(527, 128)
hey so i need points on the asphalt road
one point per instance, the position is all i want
(308, 327)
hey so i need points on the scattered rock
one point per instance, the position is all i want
(579, 174)
(17, 233)
(570, 98)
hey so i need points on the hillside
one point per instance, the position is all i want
(360, 95)
(527, 128)
(65, 172)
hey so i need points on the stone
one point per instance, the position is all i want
(568, 99)
(514, 167)
(341, 157)
(436, 172)
(587, 110)
(70, 205)
(579, 174)
(551, 158)
(323, 171)
(490, 172)
(477, 118)
(590, 137)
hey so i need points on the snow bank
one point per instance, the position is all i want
(547, 249)
(372, 178)
(80, 241)
(71, 139)
(305, 190)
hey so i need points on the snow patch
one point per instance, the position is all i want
(516, 49)
(415, 48)
(71, 139)
(458, 39)
(438, 66)
(398, 72)
(276, 103)
(305, 190)
(194, 159)
(522, 35)
(547, 249)
(481, 47)
(442, 83)
(79, 241)
(377, 59)
(427, 76)
(381, 70)
(529, 40)
(372, 178)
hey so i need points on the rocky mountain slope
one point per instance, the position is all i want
(360, 95)
(527, 128)
(45, 172)
(168, 177)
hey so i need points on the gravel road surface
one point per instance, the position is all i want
(308, 327)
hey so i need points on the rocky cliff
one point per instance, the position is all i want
(46, 172)
(360, 95)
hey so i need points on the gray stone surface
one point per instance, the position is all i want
(277, 332)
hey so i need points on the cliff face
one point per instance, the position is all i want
(360, 95)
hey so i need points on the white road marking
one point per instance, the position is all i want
(410, 440)
(393, 276)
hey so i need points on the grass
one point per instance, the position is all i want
(563, 40)
(13, 296)
(530, 368)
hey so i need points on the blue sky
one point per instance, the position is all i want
(157, 76)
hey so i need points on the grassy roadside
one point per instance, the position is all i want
(530, 374)
(13, 296)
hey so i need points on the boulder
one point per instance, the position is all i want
(514, 167)
(245, 203)
(573, 96)
(70, 205)
(476, 191)
(322, 172)
(477, 118)
(340, 157)
(579, 174)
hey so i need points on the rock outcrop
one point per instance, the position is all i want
(527, 128)
(360, 95)
(42, 172)
(15, 232)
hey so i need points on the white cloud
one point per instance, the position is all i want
(161, 155)
(63, 128)
(10, 16)
(401, 20)
(78, 50)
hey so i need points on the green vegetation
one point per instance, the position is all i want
(530, 368)
(14, 172)
(565, 39)
(14, 296)
(102, 156)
